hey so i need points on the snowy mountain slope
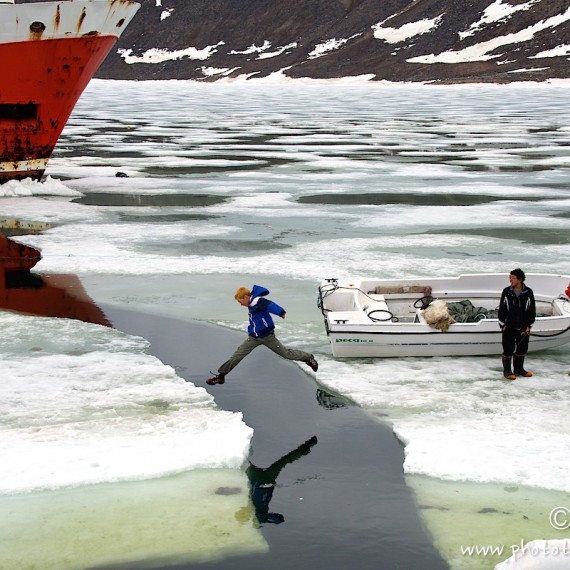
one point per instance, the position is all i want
(448, 41)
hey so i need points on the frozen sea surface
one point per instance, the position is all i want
(288, 184)
(285, 185)
(84, 403)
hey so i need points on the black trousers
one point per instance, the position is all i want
(515, 341)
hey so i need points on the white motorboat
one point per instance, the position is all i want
(391, 317)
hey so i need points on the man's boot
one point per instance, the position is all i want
(518, 363)
(507, 370)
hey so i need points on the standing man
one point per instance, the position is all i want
(260, 332)
(517, 312)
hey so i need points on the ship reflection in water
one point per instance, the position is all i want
(47, 295)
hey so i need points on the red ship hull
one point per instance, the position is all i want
(57, 47)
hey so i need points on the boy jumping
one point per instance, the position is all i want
(260, 332)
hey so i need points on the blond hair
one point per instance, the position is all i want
(242, 292)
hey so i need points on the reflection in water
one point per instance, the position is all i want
(331, 401)
(49, 295)
(60, 296)
(262, 483)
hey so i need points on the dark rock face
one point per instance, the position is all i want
(441, 41)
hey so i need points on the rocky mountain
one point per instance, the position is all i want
(442, 41)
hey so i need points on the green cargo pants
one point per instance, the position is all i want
(270, 342)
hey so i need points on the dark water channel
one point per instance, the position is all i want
(339, 501)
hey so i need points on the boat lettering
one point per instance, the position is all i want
(353, 340)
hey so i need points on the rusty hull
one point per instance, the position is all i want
(49, 53)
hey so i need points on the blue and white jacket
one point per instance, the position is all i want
(260, 321)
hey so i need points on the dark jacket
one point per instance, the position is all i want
(260, 321)
(517, 312)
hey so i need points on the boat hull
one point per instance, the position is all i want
(49, 53)
(353, 334)
(359, 344)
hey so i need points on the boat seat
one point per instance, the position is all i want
(347, 317)
(560, 307)
(377, 303)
